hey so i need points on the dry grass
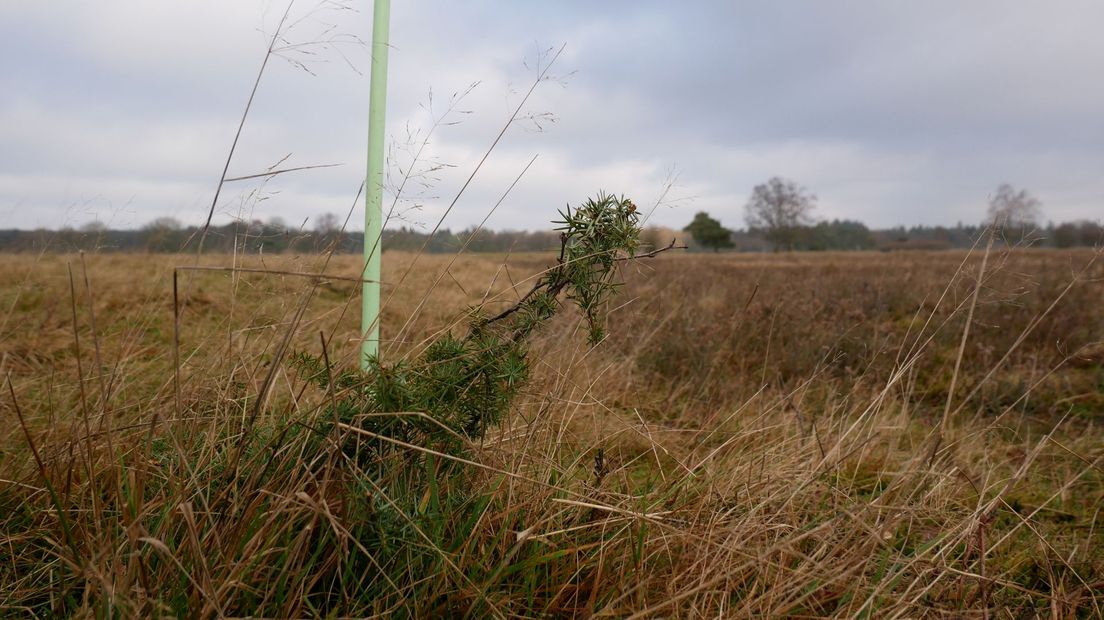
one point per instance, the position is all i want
(758, 436)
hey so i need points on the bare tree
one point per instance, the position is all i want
(1009, 208)
(163, 234)
(327, 228)
(779, 208)
(164, 224)
(327, 223)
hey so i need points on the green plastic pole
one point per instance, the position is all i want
(373, 190)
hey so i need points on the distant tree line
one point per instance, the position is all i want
(271, 237)
(166, 235)
(779, 217)
(841, 235)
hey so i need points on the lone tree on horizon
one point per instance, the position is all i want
(1009, 208)
(709, 233)
(779, 208)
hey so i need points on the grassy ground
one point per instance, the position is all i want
(799, 435)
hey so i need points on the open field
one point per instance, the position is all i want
(772, 435)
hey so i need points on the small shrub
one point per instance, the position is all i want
(465, 385)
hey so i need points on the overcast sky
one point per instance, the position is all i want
(890, 112)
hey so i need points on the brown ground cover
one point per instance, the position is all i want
(781, 435)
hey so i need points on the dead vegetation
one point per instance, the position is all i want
(795, 435)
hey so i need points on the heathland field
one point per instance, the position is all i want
(803, 434)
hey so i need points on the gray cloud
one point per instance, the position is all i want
(891, 112)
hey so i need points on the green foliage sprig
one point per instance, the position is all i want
(593, 239)
(459, 387)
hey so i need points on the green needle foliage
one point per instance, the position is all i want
(459, 387)
(447, 397)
